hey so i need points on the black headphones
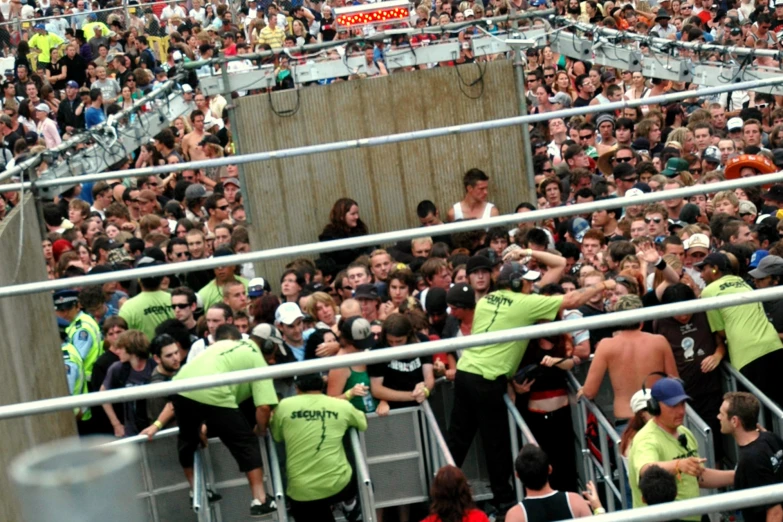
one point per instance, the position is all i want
(653, 407)
(515, 278)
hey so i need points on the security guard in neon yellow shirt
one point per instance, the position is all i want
(74, 373)
(44, 41)
(81, 330)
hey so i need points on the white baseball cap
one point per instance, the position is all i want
(288, 313)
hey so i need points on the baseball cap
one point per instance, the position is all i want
(577, 228)
(268, 332)
(639, 401)
(196, 191)
(561, 98)
(288, 313)
(622, 171)
(257, 286)
(186, 87)
(357, 331)
(769, 265)
(72, 84)
(716, 259)
(435, 301)
(734, 124)
(674, 166)
(461, 295)
(669, 391)
(711, 153)
(747, 207)
(697, 241)
(628, 302)
(508, 270)
(469, 12)
(366, 291)
(690, 213)
(209, 138)
(756, 258)
(633, 192)
(478, 263)
(65, 298)
(43, 108)
(147, 261)
(608, 76)
(42, 27)
(231, 181)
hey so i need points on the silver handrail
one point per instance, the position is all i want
(199, 500)
(277, 479)
(516, 422)
(696, 423)
(605, 430)
(383, 355)
(440, 441)
(366, 495)
(734, 377)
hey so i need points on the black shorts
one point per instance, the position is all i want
(228, 424)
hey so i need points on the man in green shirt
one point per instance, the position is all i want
(151, 307)
(219, 409)
(754, 346)
(483, 372)
(312, 425)
(666, 443)
(213, 292)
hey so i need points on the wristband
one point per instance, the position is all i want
(661, 264)
(426, 392)
(158, 424)
(599, 511)
(349, 395)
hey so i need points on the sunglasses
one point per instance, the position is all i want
(656, 220)
(182, 254)
(180, 306)
(622, 160)
(695, 171)
(549, 76)
(548, 170)
(224, 207)
(586, 137)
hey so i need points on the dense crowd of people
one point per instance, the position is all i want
(75, 65)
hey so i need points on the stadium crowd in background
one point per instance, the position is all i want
(73, 71)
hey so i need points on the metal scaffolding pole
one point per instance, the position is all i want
(385, 237)
(398, 138)
(386, 354)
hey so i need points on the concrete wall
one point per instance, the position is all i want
(32, 361)
(291, 198)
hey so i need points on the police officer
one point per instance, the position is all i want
(81, 330)
(77, 383)
(482, 373)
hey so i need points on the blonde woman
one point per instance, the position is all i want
(684, 137)
(321, 307)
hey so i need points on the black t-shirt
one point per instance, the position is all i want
(581, 102)
(10, 140)
(774, 311)
(759, 464)
(401, 375)
(691, 343)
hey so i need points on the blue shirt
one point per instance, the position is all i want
(93, 117)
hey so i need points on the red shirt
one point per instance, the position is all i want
(474, 515)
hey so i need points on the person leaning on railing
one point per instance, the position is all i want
(482, 373)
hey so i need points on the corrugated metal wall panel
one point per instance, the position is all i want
(292, 197)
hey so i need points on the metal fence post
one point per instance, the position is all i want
(363, 475)
(277, 480)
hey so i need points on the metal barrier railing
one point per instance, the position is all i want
(769, 409)
(200, 503)
(440, 455)
(703, 434)
(276, 476)
(517, 427)
(598, 461)
(366, 494)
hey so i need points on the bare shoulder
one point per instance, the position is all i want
(516, 514)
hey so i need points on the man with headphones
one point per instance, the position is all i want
(483, 373)
(666, 443)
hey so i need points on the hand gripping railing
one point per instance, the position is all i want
(604, 465)
(517, 424)
(440, 454)
(366, 495)
(735, 378)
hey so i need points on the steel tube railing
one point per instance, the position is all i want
(384, 237)
(445, 453)
(516, 422)
(399, 138)
(277, 480)
(766, 403)
(724, 502)
(519, 422)
(697, 424)
(199, 500)
(385, 354)
(366, 496)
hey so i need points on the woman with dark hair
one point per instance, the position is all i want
(344, 223)
(401, 285)
(262, 309)
(291, 284)
(403, 382)
(451, 499)
(541, 386)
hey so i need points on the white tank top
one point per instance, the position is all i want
(459, 215)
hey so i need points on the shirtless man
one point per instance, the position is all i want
(190, 143)
(474, 205)
(630, 356)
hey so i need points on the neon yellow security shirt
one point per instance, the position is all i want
(45, 43)
(503, 310)
(212, 293)
(749, 333)
(312, 427)
(653, 444)
(146, 311)
(225, 357)
(89, 30)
